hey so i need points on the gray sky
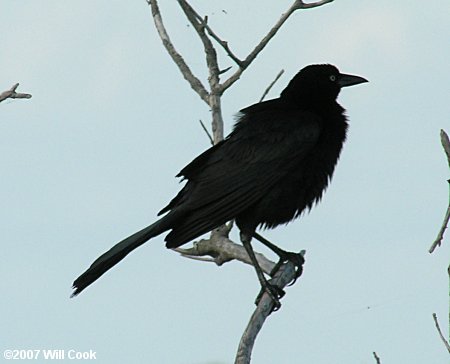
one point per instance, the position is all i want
(92, 157)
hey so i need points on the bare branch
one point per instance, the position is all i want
(12, 94)
(195, 83)
(447, 345)
(266, 91)
(211, 55)
(262, 44)
(376, 357)
(221, 42)
(211, 60)
(223, 250)
(446, 145)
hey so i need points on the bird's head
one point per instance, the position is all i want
(318, 84)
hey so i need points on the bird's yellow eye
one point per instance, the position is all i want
(333, 78)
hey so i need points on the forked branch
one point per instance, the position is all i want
(12, 94)
(195, 83)
(266, 39)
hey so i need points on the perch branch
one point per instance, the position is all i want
(221, 250)
(447, 345)
(266, 91)
(12, 94)
(195, 83)
(446, 145)
(282, 278)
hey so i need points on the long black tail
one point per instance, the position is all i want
(118, 252)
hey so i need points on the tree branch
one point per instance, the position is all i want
(447, 345)
(262, 44)
(210, 53)
(12, 94)
(223, 250)
(282, 278)
(446, 145)
(211, 61)
(222, 43)
(195, 83)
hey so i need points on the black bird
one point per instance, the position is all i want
(277, 162)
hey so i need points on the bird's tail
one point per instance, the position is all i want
(118, 252)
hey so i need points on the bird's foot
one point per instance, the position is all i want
(296, 258)
(274, 292)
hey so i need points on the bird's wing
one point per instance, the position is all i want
(233, 175)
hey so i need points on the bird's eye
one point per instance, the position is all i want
(333, 78)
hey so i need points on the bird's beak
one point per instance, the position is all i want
(350, 80)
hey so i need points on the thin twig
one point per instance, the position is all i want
(376, 357)
(266, 91)
(262, 44)
(446, 145)
(12, 94)
(195, 83)
(447, 345)
(207, 132)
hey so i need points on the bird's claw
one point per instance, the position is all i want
(296, 258)
(274, 292)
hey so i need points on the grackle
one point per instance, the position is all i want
(276, 163)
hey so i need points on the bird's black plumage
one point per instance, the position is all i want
(276, 163)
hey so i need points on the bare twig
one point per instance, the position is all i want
(195, 83)
(266, 91)
(447, 345)
(12, 94)
(376, 357)
(446, 145)
(262, 44)
(207, 132)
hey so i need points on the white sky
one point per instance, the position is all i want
(92, 157)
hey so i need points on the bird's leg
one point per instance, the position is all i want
(274, 292)
(295, 258)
